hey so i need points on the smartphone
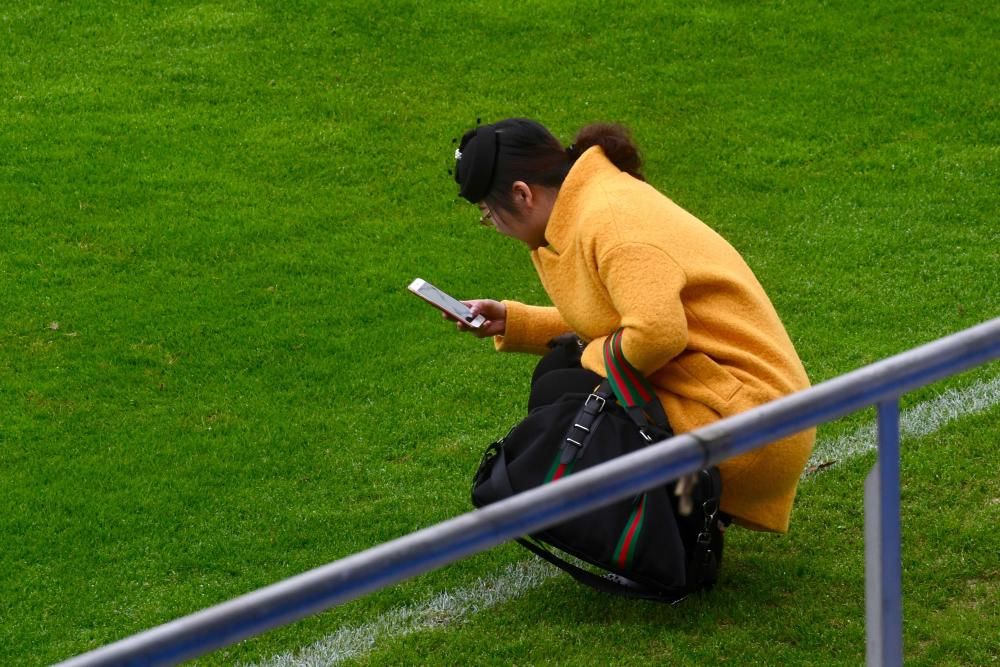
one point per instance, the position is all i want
(446, 303)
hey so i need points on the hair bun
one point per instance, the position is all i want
(616, 142)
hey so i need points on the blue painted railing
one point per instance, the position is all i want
(880, 384)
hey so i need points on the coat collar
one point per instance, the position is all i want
(585, 174)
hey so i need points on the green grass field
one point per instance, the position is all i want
(213, 378)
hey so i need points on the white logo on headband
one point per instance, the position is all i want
(458, 154)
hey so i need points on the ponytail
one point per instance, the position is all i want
(616, 142)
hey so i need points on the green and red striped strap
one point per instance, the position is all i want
(625, 549)
(630, 386)
(558, 469)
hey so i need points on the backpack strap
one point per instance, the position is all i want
(614, 586)
(632, 389)
(587, 419)
(706, 558)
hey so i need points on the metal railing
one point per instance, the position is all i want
(879, 384)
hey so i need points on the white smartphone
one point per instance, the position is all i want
(446, 303)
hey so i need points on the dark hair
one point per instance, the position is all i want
(616, 142)
(491, 158)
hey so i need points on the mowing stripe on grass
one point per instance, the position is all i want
(447, 608)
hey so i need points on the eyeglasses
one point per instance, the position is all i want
(486, 220)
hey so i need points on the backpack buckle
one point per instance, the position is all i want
(599, 400)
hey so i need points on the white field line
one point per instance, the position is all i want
(922, 419)
(441, 610)
(452, 607)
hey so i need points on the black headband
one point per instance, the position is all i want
(475, 162)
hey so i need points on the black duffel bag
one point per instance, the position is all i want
(647, 547)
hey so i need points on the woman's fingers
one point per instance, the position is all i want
(488, 308)
(494, 312)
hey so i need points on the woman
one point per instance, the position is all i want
(612, 252)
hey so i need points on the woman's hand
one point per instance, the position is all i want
(494, 312)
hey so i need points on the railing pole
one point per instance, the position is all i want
(883, 536)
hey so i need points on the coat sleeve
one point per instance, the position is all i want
(530, 328)
(644, 285)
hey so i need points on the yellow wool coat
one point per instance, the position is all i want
(696, 321)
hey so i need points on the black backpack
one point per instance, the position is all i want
(646, 547)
